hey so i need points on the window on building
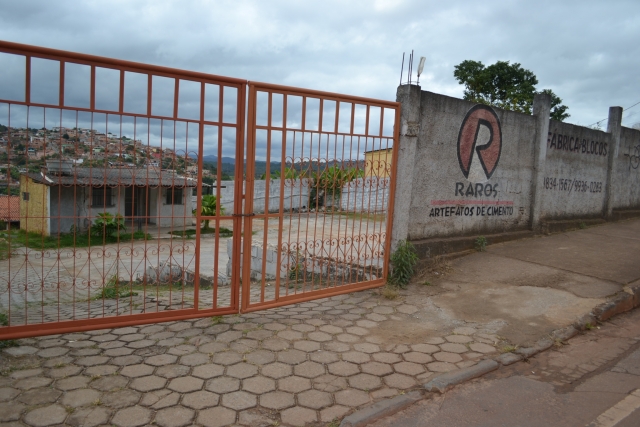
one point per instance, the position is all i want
(101, 197)
(25, 196)
(174, 196)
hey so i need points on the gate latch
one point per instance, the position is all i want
(249, 214)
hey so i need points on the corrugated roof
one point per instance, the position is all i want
(96, 177)
(9, 208)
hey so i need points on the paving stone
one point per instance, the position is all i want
(407, 309)
(408, 368)
(66, 371)
(459, 339)
(333, 413)
(213, 347)
(33, 382)
(227, 358)
(309, 369)
(223, 385)
(330, 383)
(179, 326)
(275, 344)
(25, 373)
(148, 383)
(175, 416)
(160, 399)
(151, 329)
(386, 357)
(365, 382)
(292, 357)
(10, 411)
(276, 370)
(464, 330)
(294, 384)
(132, 417)
(135, 371)
(482, 348)
(441, 367)
(126, 360)
(454, 348)
(104, 338)
(120, 398)
(298, 416)
(447, 357)
(306, 345)
(109, 383)
(89, 417)
(384, 393)
(366, 348)
(188, 333)
(303, 328)
(200, 399)
(125, 331)
(331, 329)
(25, 350)
(81, 397)
(242, 370)
(338, 347)
(101, 370)
(417, 357)
(343, 369)
(141, 344)
(50, 343)
(351, 397)
(315, 322)
(229, 336)
(425, 348)
(49, 415)
(216, 417)
(111, 345)
(39, 396)
(348, 338)
(319, 336)
(170, 342)
(186, 384)
(314, 399)
(172, 371)
(113, 352)
(399, 381)
(290, 335)
(383, 310)
(8, 393)
(324, 357)
(46, 353)
(376, 368)
(194, 359)
(182, 350)
(92, 360)
(208, 371)
(239, 400)
(258, 385)
(274, 327)
(367, 323)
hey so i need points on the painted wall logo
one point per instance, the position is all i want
(479, 144)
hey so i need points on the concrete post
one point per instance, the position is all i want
(542, 112)
(614, 128)
(409, 98)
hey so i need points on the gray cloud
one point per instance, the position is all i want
(586, 51)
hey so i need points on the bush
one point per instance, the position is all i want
(107, 225)
(403, 261)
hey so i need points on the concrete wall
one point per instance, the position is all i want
(627, 170)
(469, 170)
(368, 194)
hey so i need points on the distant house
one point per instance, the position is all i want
(10, 209)
(378, 162)
(54, 203)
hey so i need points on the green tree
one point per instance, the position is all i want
(504, 85)
(208, 208)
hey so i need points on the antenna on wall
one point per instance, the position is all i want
(421, 67)
(410, 68)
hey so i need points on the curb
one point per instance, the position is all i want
(623, 301)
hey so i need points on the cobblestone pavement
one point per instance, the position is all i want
(302, 364)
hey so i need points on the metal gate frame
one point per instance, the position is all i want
(242, 215)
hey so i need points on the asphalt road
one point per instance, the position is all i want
(593, 380)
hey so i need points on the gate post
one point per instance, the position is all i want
(409, 98)
(614, 127)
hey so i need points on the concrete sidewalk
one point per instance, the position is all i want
(314, 363)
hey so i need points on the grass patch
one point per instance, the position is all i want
(360, 215)
(115, 289)
(191, 232)
(4, 321)
(389, 292)
(20, 238)
(508, 349)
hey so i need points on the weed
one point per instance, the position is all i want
(426, 283)
(216, 319)
(403, 260)
(334, 423)
(97, 402)
(508, 348)
(588, 326)
(481, 244)
(582, 226)
(389, 292)
(69, 410)
(4, 321)
(113, 289)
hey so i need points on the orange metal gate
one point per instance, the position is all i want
(135, 197)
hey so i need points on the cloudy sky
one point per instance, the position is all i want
(587, 52)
